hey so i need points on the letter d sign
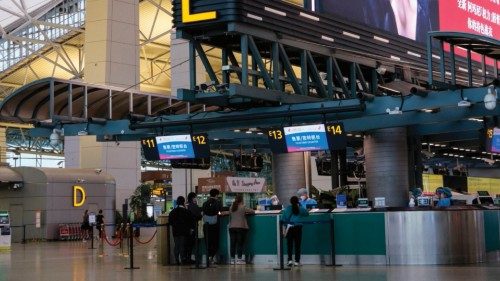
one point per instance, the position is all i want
(78, 189)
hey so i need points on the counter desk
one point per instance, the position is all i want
(392, 236)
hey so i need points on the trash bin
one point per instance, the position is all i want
(163, 240)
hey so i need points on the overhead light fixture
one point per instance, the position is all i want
(490, 99)
(248, 132)
(260, 133)
(464, 103)
(237, 131)
(394, 112)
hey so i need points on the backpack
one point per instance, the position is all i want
(210, 208)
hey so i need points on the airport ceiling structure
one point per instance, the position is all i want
(279, 73)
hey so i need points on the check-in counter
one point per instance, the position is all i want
(455, 235)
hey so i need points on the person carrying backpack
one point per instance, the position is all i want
(211, 209)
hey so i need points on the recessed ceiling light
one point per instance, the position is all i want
(237, 130)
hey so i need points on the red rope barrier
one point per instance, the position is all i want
(112, 244)
(140, 242)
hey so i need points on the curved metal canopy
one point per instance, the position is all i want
(51, 99)
(483, 45)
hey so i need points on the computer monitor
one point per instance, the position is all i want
(275, 207)
(311, 206)
(483, 193)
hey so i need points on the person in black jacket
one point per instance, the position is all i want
(211, 209)
(195, 210)
(181, 221)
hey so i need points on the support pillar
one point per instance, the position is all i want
(185, 180)
(386, 164)
(3, 145)
(112, 42)
(288, 175)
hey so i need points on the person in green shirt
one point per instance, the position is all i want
(292, 219)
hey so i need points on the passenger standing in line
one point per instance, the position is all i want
(195, 210)
(238, 228)
(211, 209)
(99, 223)
(292, 218)
(85, 226)
(181, 221)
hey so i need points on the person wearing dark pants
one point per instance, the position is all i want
(294, 237)
(195, 210)
(292, 218)
(238, 228)
(181, 221)
(211, 209)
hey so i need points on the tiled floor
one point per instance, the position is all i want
(73, 261)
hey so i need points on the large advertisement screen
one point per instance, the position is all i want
(495, 141)
(414, 18)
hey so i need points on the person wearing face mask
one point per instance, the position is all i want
(304, 198)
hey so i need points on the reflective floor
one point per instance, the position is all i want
(75, 261)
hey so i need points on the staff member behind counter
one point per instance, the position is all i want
(305, 201)
(444, 196)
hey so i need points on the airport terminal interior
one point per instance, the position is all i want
(319, 139)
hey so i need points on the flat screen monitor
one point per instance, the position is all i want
(311, 206)
(174, 147)
(275, 207)
(306, 138)
(482, 193)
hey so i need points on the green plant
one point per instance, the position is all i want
(139, 200)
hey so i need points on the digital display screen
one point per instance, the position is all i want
(176, 147)
(414, 18)
(4, 219)
(306, 138)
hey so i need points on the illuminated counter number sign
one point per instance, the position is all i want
(277, 142)
(337, 139)
(201, 146)
(149, 147)
(188, 17)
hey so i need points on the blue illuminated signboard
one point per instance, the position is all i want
(306, 138)
(175, 147)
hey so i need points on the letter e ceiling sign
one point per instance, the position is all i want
(187, 17)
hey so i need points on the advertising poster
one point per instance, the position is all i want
(306, 138)
(175, 147)
(414, 18)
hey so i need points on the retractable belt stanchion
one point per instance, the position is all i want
(131, 249)
(280, 253)
(92, 238)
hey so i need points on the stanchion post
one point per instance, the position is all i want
(92, 238)
(131, 249)
(24, 234)
(101, 245)
(280, 246)
(120, 232)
